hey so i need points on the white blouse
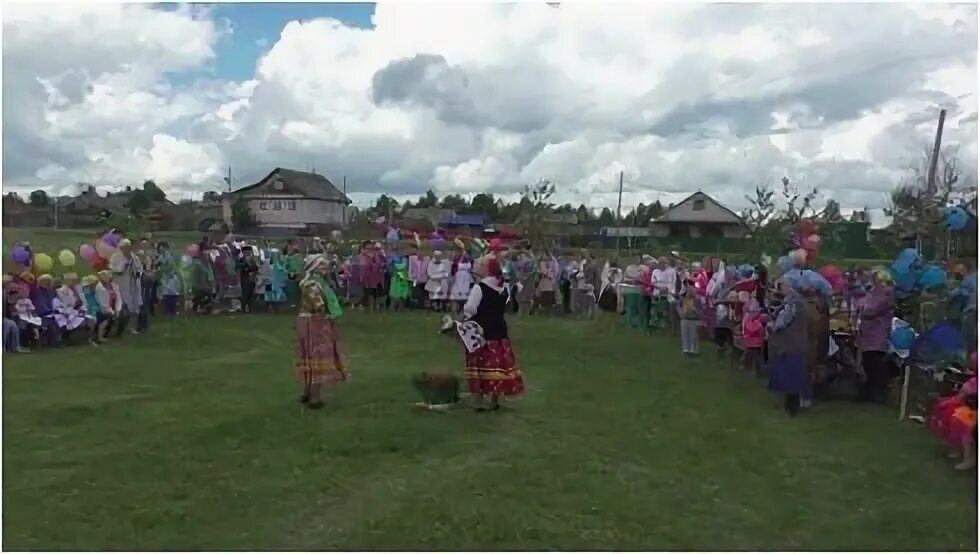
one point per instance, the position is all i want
(476, 295)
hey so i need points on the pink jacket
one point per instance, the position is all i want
(418, 269)
(753, 330)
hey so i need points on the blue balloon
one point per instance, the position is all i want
(819, 283)
(931, 276)
(903, 338)
(955, 218)
(908, 260)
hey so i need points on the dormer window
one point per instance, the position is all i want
(698, 204)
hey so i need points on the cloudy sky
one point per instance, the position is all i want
(463, 98)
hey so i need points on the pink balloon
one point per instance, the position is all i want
(813, 242)
(192, 250)
(104, 250)
(87, 252)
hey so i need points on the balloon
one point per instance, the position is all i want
(812, 242)
(931, 276)
(66, 258)
(906, 261)
(902, 338)
(42, 263)
(834, 276)
(192, 250)
(99, 263)
(27, 276)
(112, 238)
(955, 218)
(104, 249)
(87, 252)
(21, 255)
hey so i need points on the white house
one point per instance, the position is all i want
(292, 201)
(698, 215)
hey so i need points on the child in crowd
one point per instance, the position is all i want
(689, 312)
(43, 298)
(753, 338)
(438, 284)
(723, 324)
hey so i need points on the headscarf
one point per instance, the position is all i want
(104, 275)
(45, 279)
(334, 310)
(89, 280)
(883, 277)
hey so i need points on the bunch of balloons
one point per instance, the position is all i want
(98, 255)
(955, 218)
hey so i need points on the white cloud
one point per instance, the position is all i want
(487, 97)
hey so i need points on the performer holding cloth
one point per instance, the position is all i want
(491, 369)
(319, 363)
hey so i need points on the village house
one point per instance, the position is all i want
(698, 216)
(288, 201)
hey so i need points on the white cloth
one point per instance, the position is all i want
(462, 282)
(66, 317)
(438, 284)
(471, 334)
(25, 311)
(476, 295)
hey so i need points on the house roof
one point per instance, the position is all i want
(684, 212)
(310, 185)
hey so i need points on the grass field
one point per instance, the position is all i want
(195, 441)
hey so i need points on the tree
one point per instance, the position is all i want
(831, 212)
(384, 206)
(484, 204)
(211, 196)
(535, 207)
(242, 217)
(798, 205)
(916, 208)
(153, 192)
(759, 218)
(39, 199)
(430, 200)
(656, 210)
(606, 217)
(454, 202)
(584, 214)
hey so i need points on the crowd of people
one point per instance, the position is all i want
(776, 327)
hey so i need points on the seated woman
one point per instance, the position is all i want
(954, 419)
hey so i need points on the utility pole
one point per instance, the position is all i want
(55, 213)
(931, 178)
(344, 207)
(228, 179)
(619, 209)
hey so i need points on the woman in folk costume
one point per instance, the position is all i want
(462, 281)
(400, 289)
(875, 311)
(46, 305)
(319, 363)
(438, 285)
(73, 310)
(112, 309)
(547, 277)
(128, 270)
(788, 348)
(491, 371)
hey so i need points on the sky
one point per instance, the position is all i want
(468, 98)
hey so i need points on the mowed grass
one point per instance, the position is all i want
(195, 441)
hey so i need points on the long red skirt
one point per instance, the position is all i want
(318, 357)
(492, 370)
(952, 420)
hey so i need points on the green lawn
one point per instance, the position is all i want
(195, 441)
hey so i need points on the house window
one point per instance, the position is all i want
(263, 205)
(699, 204)
(292, 205)
(277, 204)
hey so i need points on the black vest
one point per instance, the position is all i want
(490, 313)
